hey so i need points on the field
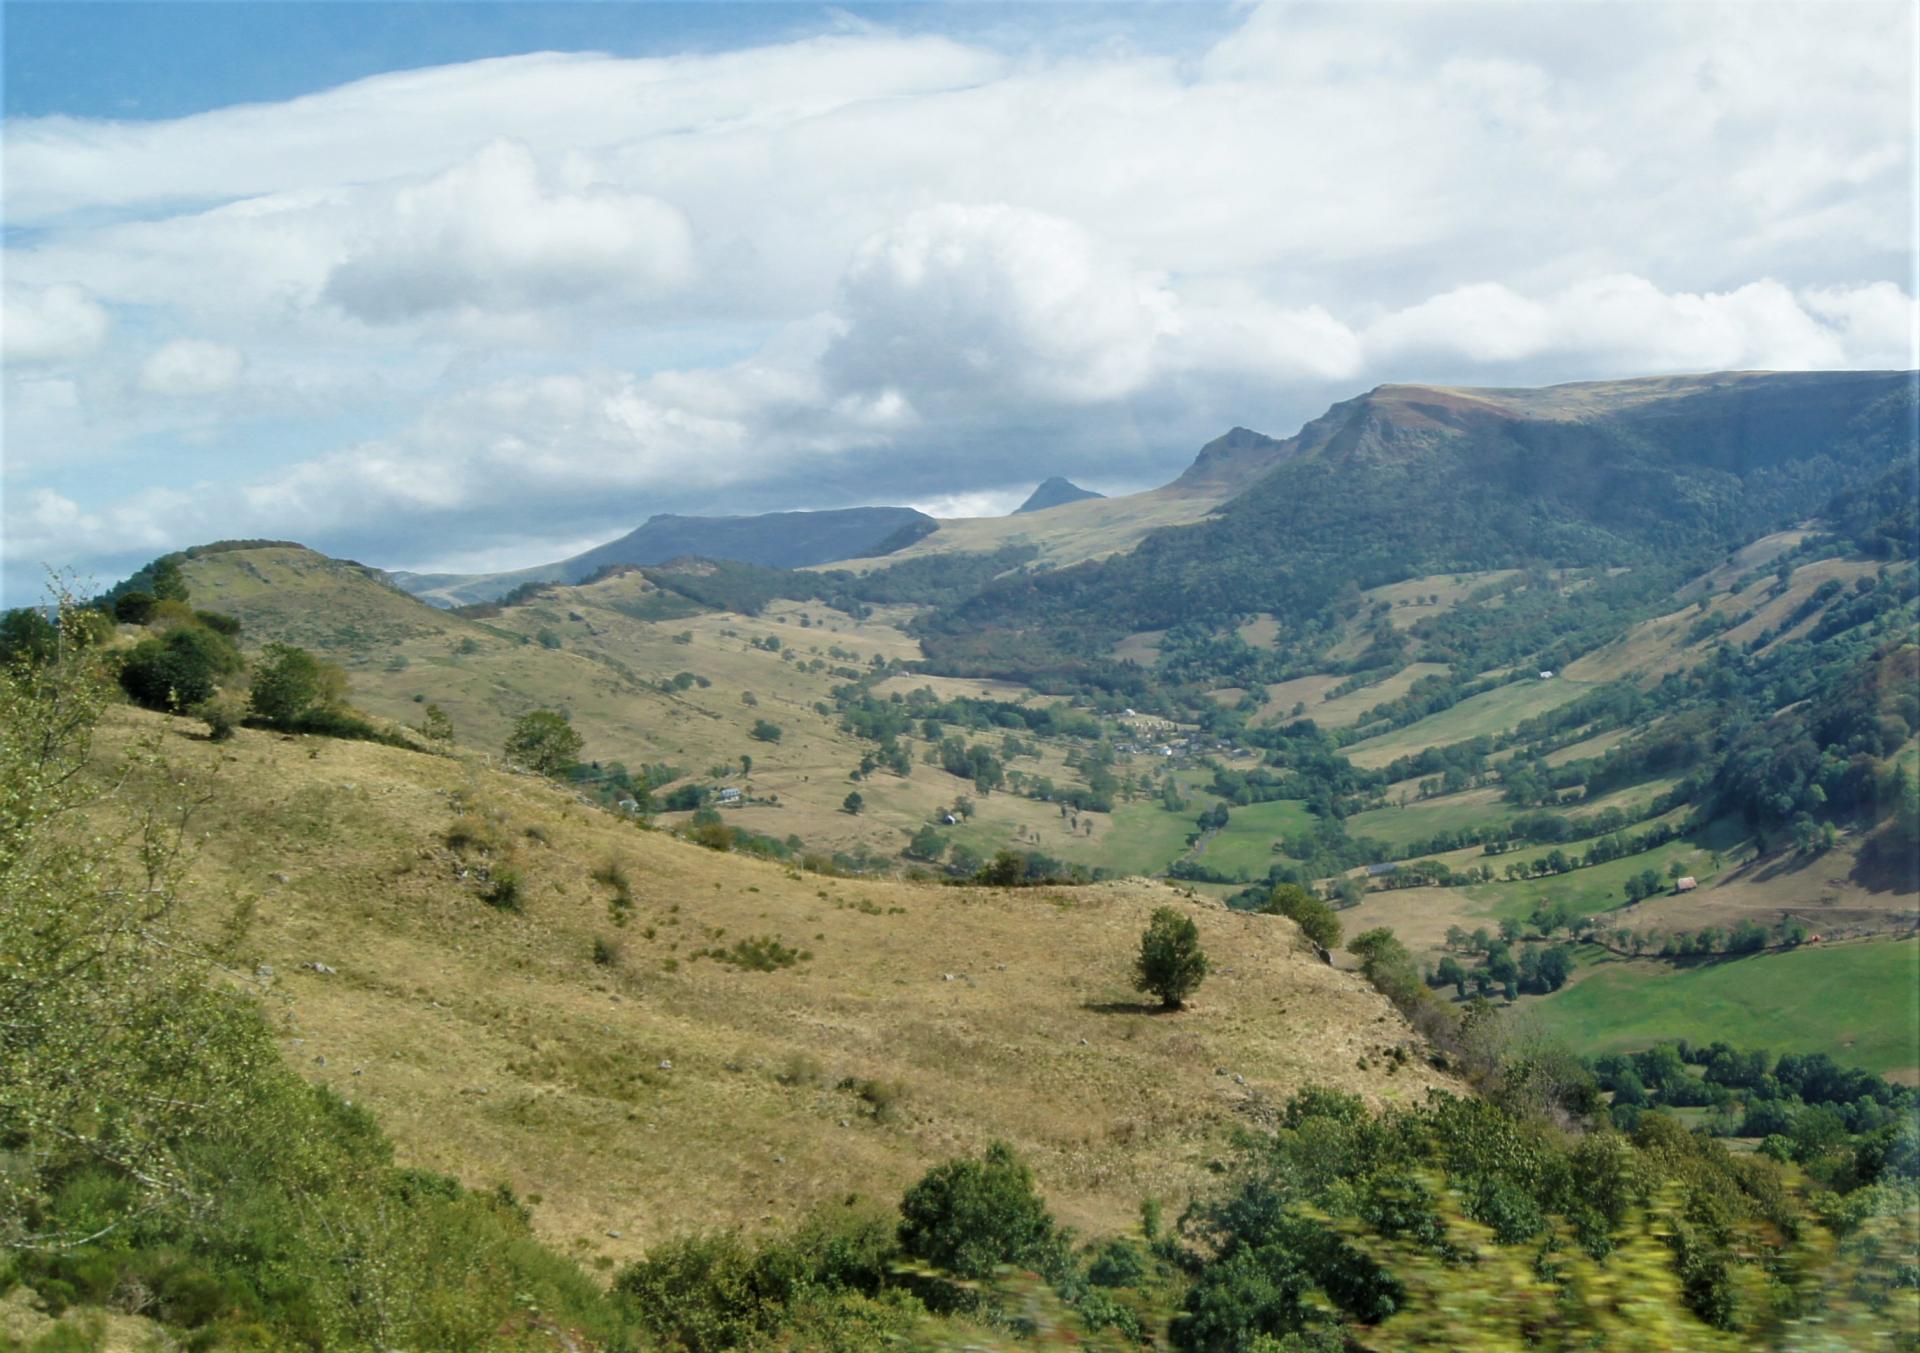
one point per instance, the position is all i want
(1603, 886)
(1854, 1001)
(1423, 819)
(1347, 709)
(1245, 844)
(653, 1090)
(1488, 713)
(1417, 599)
(1139, 838)
(1282, 696)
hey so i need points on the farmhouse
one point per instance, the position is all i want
(728, 795)
(1686, 884)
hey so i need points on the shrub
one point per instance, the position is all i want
(289, 684)
(133, 608)
(435, 726)
(544, 742)
(177, 670)
(218, 623)
(221, 714)
(762, 953)
(1118, 1264)
(1314, 917)
(1170, 964)
(766, 732)
(970, 1216)
(504, 891)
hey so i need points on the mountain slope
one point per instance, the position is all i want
(1055, 492)
(1409, 480)
(663, 1091)
(775, 539)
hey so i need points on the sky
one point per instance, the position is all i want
(453, 286)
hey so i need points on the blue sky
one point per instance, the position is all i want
(474, 286)
(153, 59)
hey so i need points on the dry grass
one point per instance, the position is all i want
(660, 1092)
(1418, 599)
(608, 675)
(1344, 710)
(1070, 534)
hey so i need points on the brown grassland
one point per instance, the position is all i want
(648, 1090)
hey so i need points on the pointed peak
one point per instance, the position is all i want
(1055, 492)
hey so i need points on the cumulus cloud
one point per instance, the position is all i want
(489, 236)
(191, 367)
(1625, 323)
(957, 302)
(570, 288)
(55, 323)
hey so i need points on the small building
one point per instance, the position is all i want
(728, 795)
(1686, 884)
(1546, 676)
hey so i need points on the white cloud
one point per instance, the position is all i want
(191, 367)
(1621, 324)
(1879, 323)
(959, 302)
(551, 285)
(56, 323)
(487, 235)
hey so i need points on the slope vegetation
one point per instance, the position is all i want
(648, 1037)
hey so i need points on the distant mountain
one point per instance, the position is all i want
(773, 539)
(1055, 492)
(1405, 480)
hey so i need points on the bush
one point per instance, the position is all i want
(504, 891)
(218, 623)
(178, 669)
(714, 1292)
(970, 1216)
(1170, 964)
(765, 732)
(544, 742)
(1314, 917)
(134, 608)
(222, 714)
(290, 683)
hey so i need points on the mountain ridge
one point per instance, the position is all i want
(773, 539)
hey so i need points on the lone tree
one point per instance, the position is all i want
(853, 803)
(1170, 964)
(543, 742)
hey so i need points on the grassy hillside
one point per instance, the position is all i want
(661, 1090)
(1853, 1000)
(1409, 481)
